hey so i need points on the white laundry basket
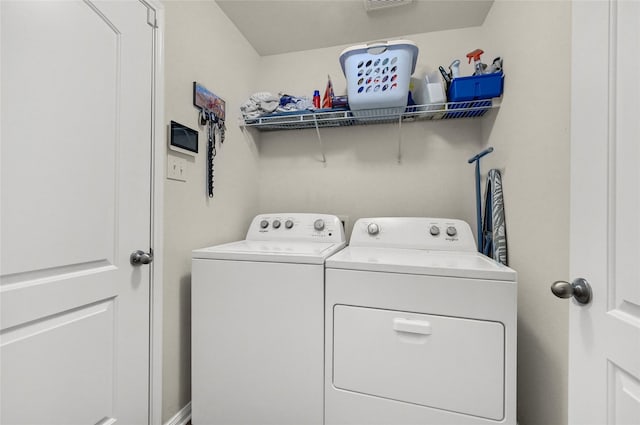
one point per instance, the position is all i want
(378, 76)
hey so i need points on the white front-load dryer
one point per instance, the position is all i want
(258, 323)
(420, 328)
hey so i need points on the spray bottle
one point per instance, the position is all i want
(455, 68)
(477, 65)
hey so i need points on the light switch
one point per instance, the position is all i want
(176, 168)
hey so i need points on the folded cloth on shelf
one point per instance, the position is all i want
(293, 103)
(260, 104)
(263, 103)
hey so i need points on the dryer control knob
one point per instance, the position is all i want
(451, 231)
(434, 230)
(264, 224)
(373, 229)
(288, 224)
(276, 224)
(318, 224)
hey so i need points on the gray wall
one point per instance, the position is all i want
(201, 45)
(362, 177)
(530, 134)
(531, 137)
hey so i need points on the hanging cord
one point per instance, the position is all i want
(211, 154)
(214, 125)
(209, 119)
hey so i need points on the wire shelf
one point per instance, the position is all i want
(324, 119)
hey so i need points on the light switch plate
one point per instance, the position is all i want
(176, 168)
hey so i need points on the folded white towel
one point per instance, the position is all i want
(259, 104)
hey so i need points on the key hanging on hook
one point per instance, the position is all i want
(204, 117)
(222, 128)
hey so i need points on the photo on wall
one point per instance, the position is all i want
(208, 101)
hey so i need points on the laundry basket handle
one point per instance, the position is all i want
(377, 47)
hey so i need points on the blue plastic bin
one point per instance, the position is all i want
(476, 87)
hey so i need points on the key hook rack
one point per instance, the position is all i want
(212, 115)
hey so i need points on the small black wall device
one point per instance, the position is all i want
(183, 138)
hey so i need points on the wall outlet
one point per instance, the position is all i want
(176, 168)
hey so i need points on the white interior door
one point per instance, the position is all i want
(604, 355)
(75, 191)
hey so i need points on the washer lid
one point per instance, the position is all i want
(471, 265)
(271, 251)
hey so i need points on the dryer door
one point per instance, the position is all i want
(440, 362)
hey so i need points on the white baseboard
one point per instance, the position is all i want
(182, 417)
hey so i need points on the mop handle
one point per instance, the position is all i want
(481, 154)
(478, 208)
(476, 159)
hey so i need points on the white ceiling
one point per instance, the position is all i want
(282, 26)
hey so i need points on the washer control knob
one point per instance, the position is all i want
(264, 224)
(318, 224)
(373, 229)
(451, 231)
(276, 224)
(434, 230)
(288, 224)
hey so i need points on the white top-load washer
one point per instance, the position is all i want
(420, 328)
(258, 323)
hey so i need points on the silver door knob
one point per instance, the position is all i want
(578, 289)
(140, 257)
